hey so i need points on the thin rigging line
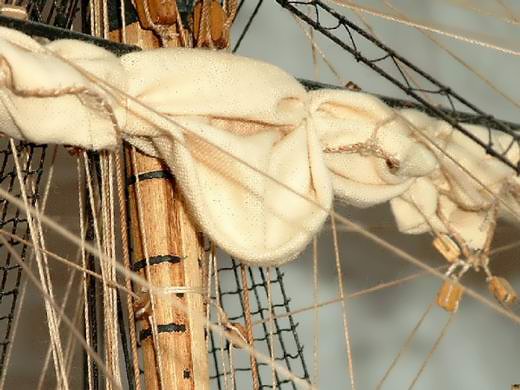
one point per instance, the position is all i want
(248, 25)
(385, 244)
(341, 288)
(479, 11)
(56, 307)
(380, 286)
(71, 276)
(46, 192)
(405, 345)
(457, 58)
(41, 261)
(399, 252)
(421, 26)
(433, 349)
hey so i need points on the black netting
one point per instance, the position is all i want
(359, 43)
(13, 220)
(288, 350)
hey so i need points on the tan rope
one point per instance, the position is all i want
(433, 349)
(99, 234)
(470, 6)
(249, 325)
(316, 49)
(153, 324)
(380, 286)
(81, 192)
(36, 237)
(459, 59)
(425, 27)
(69, 263)
(21, 300)
(56, 307)
(405, 346)
(405, 70)
(123, 218)
(72, 342)
(315, 307)
(341, 289)
(68, 288)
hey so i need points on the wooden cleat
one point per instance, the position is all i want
(502, 290)
(447, 247)
(449, 295)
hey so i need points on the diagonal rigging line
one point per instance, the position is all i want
(405, 346)
(453, 117)
(457, 58)
(341, 21)
(420, 26)
(161, 130)
(248, 25)
(141, 281)
(58, 309)
(432, 350)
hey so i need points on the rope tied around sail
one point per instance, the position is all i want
(257, 157)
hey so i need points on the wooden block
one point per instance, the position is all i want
(502, 290)
(447, 247)
(217, 17)
(449, 295)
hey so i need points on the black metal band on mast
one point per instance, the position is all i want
(356, 36)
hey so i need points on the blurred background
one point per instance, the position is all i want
(481, 350)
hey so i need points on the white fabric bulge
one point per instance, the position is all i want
(256, 156)
(459, 199)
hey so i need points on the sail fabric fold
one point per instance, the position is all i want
(257, 157)
(44, 99)
(371, 152)
(464, 195)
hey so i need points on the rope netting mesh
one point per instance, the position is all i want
(13, 220)
(287, 349)
(409, 78)
(285, 345)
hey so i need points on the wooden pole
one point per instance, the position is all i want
(166, 251)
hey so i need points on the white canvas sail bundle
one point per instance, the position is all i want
(257, 157)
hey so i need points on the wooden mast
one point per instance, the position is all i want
(165, 243)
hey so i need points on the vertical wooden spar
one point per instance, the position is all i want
(166, 251)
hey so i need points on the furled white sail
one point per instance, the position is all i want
(257, 157)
